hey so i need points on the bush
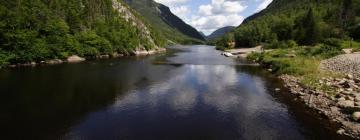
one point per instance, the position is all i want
(5, 58)
(333, 42)
(96, 44)
(281, 44)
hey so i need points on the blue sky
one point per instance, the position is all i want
(209, 15)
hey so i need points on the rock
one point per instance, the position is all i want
(349, 76)
(54, 61)
(340, 131)
(116, 55)
(75, 59)
(356, 116)
(341, 99)
(301, 93)
(290, 55)
(357, 103)
(344, 84)
(334, 109)
(346, 104)
(104, 56)
(347, 51)
(277, 89)
(349, 98)
(228, 54)
(357, 98)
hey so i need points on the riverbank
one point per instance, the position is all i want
(77, 59)
(332, 91)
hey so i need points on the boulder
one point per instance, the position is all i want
(104, 56)
(347, 51)
(277, 89)
(349, 76)
(54, 61)
(340, 131)
(75, 59)
(356, 116)
(228, 54)
(346, 104)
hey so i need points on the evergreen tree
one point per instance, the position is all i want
(312, 29)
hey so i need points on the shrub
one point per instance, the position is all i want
(281, 44)
(333, 42)
(90, 40)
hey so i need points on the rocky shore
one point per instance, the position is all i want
(342, 108)
(345, 63)
(77, 59)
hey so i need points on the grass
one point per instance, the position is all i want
(299, 62)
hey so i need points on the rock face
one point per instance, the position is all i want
(75, 59)
(160, 16)
(128, 15)
(347, 63)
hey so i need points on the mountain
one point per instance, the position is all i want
(203, 35)
(38, 30)
(306, 22)
(220, 32)
(161, 18)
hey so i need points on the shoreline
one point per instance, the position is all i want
(335, 110)
(77, 59)
(343, 108)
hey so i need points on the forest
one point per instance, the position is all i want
(286, 23)
(37, 30)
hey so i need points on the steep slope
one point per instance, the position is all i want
(220, 32)
(303, 21)
(37, 30)
(161, 18)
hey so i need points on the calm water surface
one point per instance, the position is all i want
(192, 92)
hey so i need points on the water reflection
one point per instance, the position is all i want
(218, 94)
(202, 96)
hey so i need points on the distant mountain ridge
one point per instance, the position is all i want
(161, 18)
(220, 32)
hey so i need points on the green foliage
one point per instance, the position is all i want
(307, 23)
(281, 64)
(171, 33)
(37, 30)
(281, 44)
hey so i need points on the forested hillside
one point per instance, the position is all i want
(37, 30)
(161, 18)
(220, 32)
(305, 22)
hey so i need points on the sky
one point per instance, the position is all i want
(210, 15)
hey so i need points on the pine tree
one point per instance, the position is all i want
(312, 29)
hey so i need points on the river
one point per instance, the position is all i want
(191, 92)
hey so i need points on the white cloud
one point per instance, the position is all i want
(181, 11)
(263, 5)
(210, 15)
(217, 14)
(172, 2)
